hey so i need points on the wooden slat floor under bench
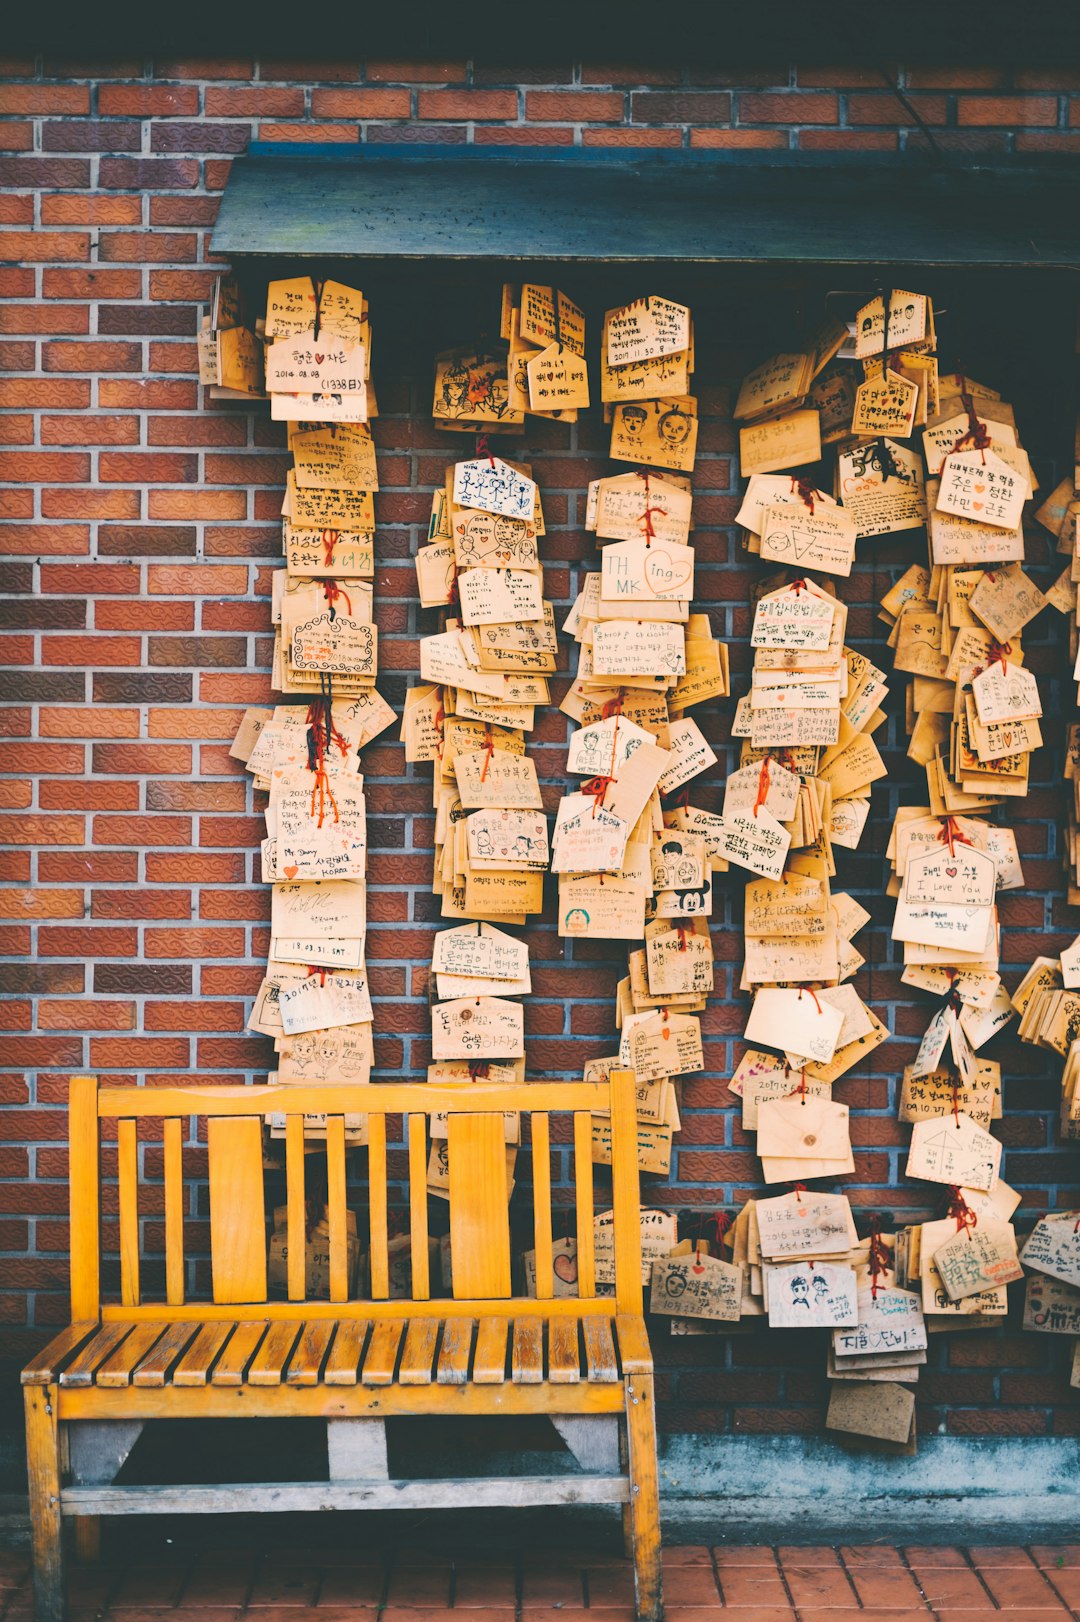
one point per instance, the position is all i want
(583, 1361)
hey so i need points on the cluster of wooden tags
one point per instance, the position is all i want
(646, 362)
(1051, 1256)
(961, 1263)
(314, 998)
(956, 627)
(1047, 1001)
(482, 677)
(547, 372)
(813, 699)
(945, 874)
(1060, 514)
(231, 346)
(537, 367)
(863, 386)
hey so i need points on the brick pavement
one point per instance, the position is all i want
(875, 1582)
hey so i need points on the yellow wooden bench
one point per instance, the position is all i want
(584, 1362)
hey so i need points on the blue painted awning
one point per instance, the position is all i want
(573, 206)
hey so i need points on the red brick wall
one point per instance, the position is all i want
(140, 528)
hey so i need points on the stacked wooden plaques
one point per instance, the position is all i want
(314, 999)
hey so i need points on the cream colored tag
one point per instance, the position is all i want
(981, 486)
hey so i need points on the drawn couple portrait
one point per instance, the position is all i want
(673, 427)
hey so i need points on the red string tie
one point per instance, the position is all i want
(966, 1218)
(976, 434)
(799, 1190)
(798, 585)
(646, 519)
(329, 541)
(804, 489)
(811, 992)
(322, 973)
(878, 1256)
(680, 930)
(762, 785)
(479, 1069)
(489, 750)
(950, 834)
(597, 787)
(483, 447)
(332, 591)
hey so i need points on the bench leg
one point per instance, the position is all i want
(644, 1497)
(627, 1509)
(43, 1463)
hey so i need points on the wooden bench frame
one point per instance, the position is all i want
(90, 1391)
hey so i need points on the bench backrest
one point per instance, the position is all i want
(479, 1217)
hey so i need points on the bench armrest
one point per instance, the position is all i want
(634, 1349)
(44, 1368)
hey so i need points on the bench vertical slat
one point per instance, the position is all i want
(626, 1192)
(297, 1223)
(127, 1142)
(541, 1172)
(583, 1189)
(418, 1207)
(237, 1222)
(84, 1198)
(380, 1262)
(174, 1212)
(479, 1220)
(335, 1206)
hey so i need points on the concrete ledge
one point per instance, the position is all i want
(796, 1489)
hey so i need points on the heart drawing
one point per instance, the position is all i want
(661, 573)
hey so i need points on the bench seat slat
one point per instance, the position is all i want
(454, 1353)
(118, 1368)
(564, 1359)
(194, 1367)
(527, 1358)
(307, 1360)
(268, 1364)
(382, 1354)
(419, 1355)
(600, 1358)
(157, 1365)
(80, 1371)
(343, 1361)
(489, 1359)
(232, 1365)
(46, 1365)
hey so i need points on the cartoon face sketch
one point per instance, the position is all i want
(522, 846)
(674, 428)
(576, 921)
(634, 419)
(820, 1287)
(671, 847)
(685, 873)
(455, 389)
(350, 1062)
(485, 845)
(800, 1293)
(303, 1051)
(675, 1283)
